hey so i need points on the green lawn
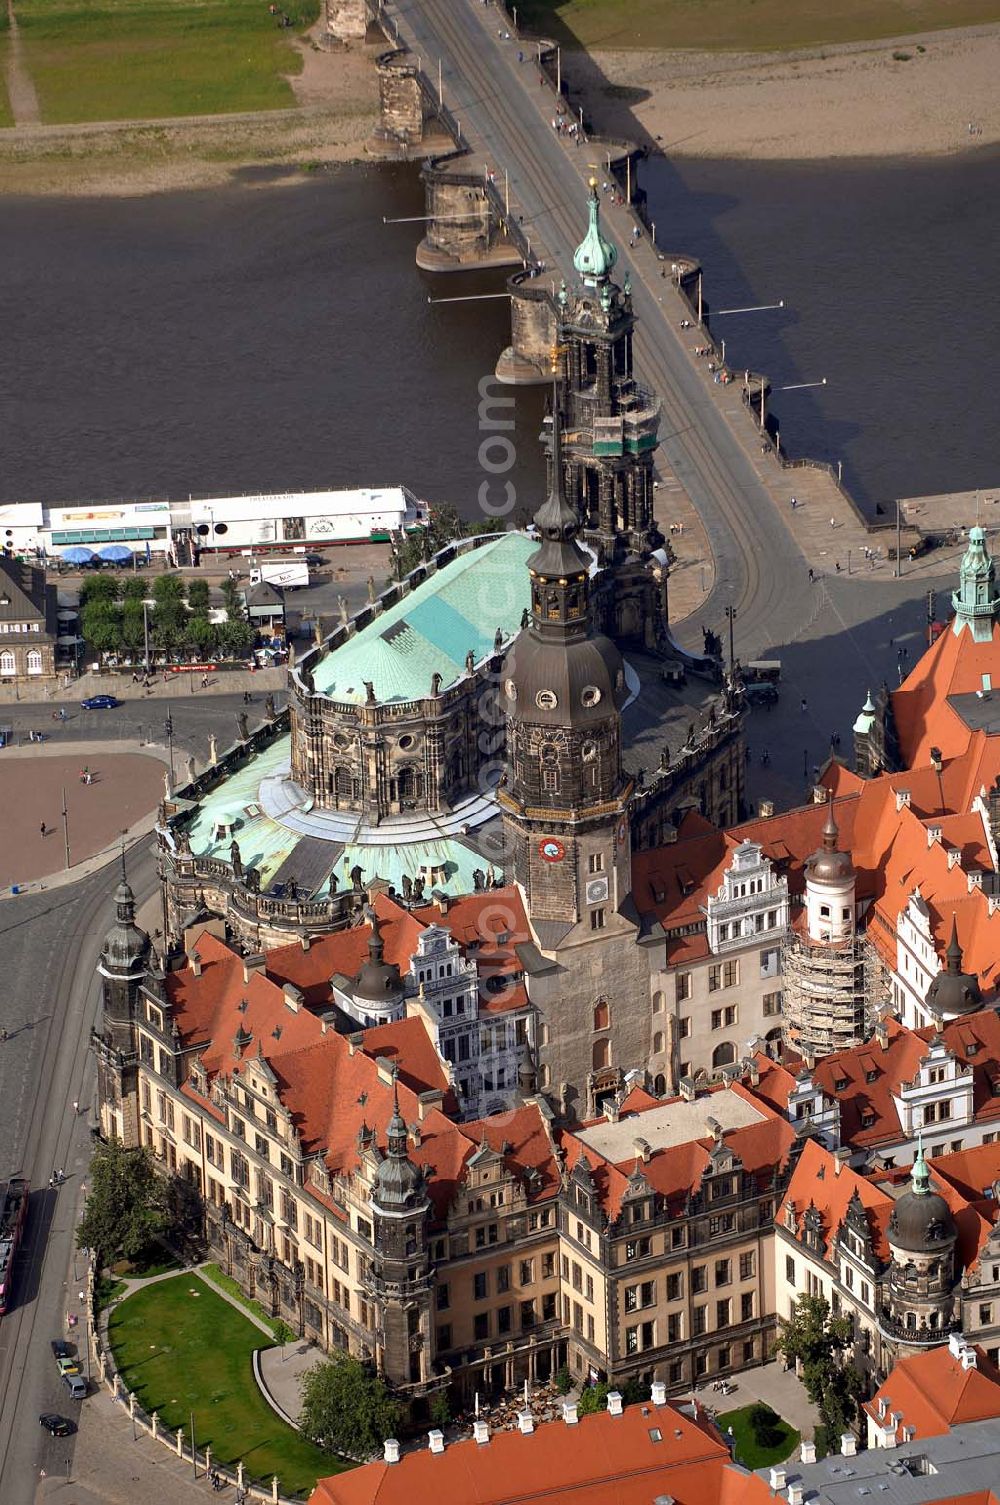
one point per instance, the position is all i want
(735, 24)
(747, 1451)
(216, 1276)
(182, 1348)
(141, 59)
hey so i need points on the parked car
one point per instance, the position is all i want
(76, 1385)
(56, 1426)
(764, 694)
(67, 1366)
(100, 703)
(62, 1349)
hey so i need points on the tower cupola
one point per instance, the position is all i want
(976, 601)
(595, 257)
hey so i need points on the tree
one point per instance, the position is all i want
(234, 638)
(126, 1209)
(197, 597)
(101, 622)
(346, 1408)
(201, 634)
(814, 1340)
(133, 588)
(443, 527)
(564, 1381)
(595, 1397)
(440, 1409)
(232, 598)
(764, 1424)
(169, 590)
(133, 626)
(98, 588)
(283, 1334)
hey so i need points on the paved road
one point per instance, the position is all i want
(49, 945)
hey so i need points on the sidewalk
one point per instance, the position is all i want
(772, 1383)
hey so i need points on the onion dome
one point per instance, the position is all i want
(954, 992)
(126, 946)
(866, 720)
(399, 1184)
(828, 864)
(378, 981)
(921, 1220)
(594, 257)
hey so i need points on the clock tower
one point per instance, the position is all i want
(565, 797)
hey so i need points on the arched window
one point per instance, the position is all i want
(723, 1055)
(657, 1044)
(658, 1002)
(34, 661)
(545, 1076)
(602, 1015)
(601, 1054)
(660, 1084)
(7, 664)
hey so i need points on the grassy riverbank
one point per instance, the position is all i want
(765, 25)
(148, 59)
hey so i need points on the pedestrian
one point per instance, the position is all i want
(76, 1101)
(41, 829)
(833, 522)
(3, 1034)
(802, 707)
(204, 681)
(812, 577)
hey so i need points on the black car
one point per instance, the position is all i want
(56, 1426)
(62, 1349)
(762, 694)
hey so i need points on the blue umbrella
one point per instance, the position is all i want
(115, 553)
(78, 555)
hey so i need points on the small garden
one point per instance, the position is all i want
(760, 1435)
(183, 1349)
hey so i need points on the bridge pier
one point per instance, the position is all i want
(405, 109)
(527, 360)
(346, 21)
(465, 219)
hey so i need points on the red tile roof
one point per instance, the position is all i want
(954, 665)
(603, 1460)
(934, 1392)
(820, 1180)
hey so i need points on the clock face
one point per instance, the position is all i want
(510, 689)
(551, 850)
(546, 700)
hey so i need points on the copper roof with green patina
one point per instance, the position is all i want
(432, 629)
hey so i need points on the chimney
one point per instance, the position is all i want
(902, 798)
(778, 1476)
(442, 900)
(391, 1450)
(386, 1074)
(848, 1445)
(841, 1157)
(480, 1431)
(293, 997)
(882, 1035)
(614, 1403)
(796, 1492)
(807, 1452)
(413, 1135)
(427, 1101)
(355, 1042)
(754, 1073)
(611, 1112)
(658, 1393)
(253, 964)
(526, 1422)
(195, 963)
(765, 809)
(436, 1441)
(642, 1150)
(687, 1088)
(306, 942)
(967, 1358)
(882, 1404)
(937, 762)
(569, 1413)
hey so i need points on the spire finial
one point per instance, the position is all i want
(831, 832)
(954, 951)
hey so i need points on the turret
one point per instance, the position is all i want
(830, 886)
(921, 1236)
(976, 601)
(399, 1276)
(953, 992)
(122, 967)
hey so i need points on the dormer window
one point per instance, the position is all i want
(871, 1076)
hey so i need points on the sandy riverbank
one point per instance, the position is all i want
(337, 110)
(853, 101)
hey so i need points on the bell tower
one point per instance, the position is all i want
(565, 796)
(123, 965)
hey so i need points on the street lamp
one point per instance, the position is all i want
(730, 612)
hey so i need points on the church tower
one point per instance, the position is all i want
(565, 796)
(611, 422)
(122, 966)
(399, 1276)
(976, 601)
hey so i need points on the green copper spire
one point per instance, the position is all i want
(976, 601)
(866, 719)
(594, 257)
(920, 1175)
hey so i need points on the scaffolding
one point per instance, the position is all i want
(834, 992)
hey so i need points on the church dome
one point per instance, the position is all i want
(954, 992)
(563, 684)
(378, 981)
(828, 864)
(126, 946)
(594, 257)
(921, 1221)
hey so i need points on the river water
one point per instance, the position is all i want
(279, 336)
